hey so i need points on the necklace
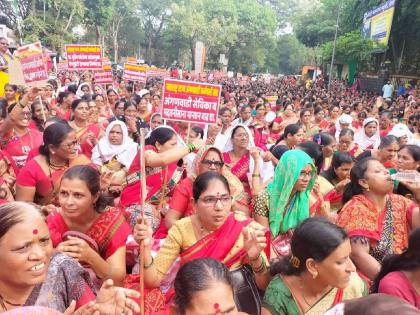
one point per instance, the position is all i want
(3, 303)
(303, 293)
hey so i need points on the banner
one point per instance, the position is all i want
(190, 101)
(62, 65)
(84, 57)
(378, 21)
(34, 68)
(133, 72)
(104, 76)
(157, 72)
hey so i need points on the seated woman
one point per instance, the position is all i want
(209, 158)
(328, 145)
(317, 275)
(346, 142)
(308, 126)
(386, 153)
(32, 274)
(87, 134)
(212, 232)
(38, 181)
(292, 136)
(162, 153)
(134, 124)
(204, 286)
(377, 221)
(40, 115)
(86, 229)
(339, 175)
(368, 136)
(408, 161)
(400, 274)
(285, 202)
(343, 122)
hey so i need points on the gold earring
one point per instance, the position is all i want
(314, 275)
(367, 188)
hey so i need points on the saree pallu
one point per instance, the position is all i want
(65, 281)
(240, 169)
(360, 218)
(155, 178)
(86, 146)
(110, 231)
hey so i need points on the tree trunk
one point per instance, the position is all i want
(98, 35)
(192, 55)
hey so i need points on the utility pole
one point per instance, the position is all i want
(335, 42)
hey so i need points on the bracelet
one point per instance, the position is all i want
(255, 175)
(261, 268)
(191, 147)
(149, 265)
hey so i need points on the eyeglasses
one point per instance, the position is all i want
(209, 163)
(212, 201)
(305, 174)
(72, 144)
(25, 114)
(5, 44)
(242, 136)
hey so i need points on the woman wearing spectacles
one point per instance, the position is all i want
(5, 58)
(208, 159)
(38, 181)
(212, 232)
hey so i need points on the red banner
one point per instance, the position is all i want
(84, 57)
(33, 63)
(104, 76)
(62, 65)
(133, 72)
(157, 72)
(190, 101)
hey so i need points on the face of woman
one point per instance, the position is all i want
(343, 126)
(214, 129)
(9, 93)
(328, 150)
(335, 270)
(343, 171)
(26, 249)
(85, 90)
(93, 108)
(156, 122)
(389, 153)
(377, 178)
(48, 91)
(68, 149)
(402, 140)
(156, 101)
(303, 179)
(130, 112)
(69, 99)
(406, 161)
(112, 98)
(296, 138)
(143, 105)
(211, 162)
(306, 117)
(335, 112)
(168, 145)
(288, 111)
(203, 302)
(344, 143)
(320, 116)
(119, 109)
(370, 129)
(24, 118)
(100, 101)
(213, 205)
(75, 199)
(116, 135)
(81, 112)
(38, 112)
(260, 112)
(97, 90)
(240, 138)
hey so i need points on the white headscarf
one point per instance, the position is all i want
(363, 140)
(401, 130)
(125, 152)
(343, 119)
(79, 92)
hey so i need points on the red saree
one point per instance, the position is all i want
(240, 169)
(85, 145)
(109, 231)
(19, 147)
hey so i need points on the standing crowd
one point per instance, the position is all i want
(304, 205)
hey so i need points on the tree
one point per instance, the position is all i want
(97, 16)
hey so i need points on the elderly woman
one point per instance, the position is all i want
(386, 153)
(344, 121)
(368, 136)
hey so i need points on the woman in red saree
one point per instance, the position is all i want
(213, 232)
(39, 179)
(63, 108)
(163, 151)
(386, 153)
(346, 142)
(87, 134)
(377, 221)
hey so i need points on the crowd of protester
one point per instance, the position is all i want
(308, 204)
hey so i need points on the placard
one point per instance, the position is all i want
(84, 57)
(133, 72)
(34, 68)
(190, 101)
(104, 76)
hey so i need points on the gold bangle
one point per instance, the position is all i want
(149, 265)
(255, 175)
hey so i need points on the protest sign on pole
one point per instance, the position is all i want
(133, 72)
(84, 57)
(104, 76)
(33, 66)
(190, 101)
(62, 65)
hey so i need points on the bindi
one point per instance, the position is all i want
(35, 232)
(216, 308)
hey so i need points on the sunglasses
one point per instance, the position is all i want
(209, 163)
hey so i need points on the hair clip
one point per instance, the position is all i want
(295, 262)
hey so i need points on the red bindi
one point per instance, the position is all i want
(35, 231)
(216, 308)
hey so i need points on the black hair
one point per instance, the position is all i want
(14, 87)
(345, 132)
(198, 275)
(314, 150)
(63, 95)
(111, 91)
(291, 129)
(318, 109)
(223, 110)
(338, 159)
(278, 150)
(407, 261)
(128, 104)
(245, 107)
(160, 135)
(72, 88)
(201, 183)
(3, 108)
(259, 106)
(199, 131)
(56, 119)
(38, 123)
(387, 141)
(314, 238)
(95, 96)
(387, 114)
(323, 139)
(357, 173)
(235, 129)
(76, 103)
(86, 98)
(303, 111)
(92, 179)
(413, 150)
(54, 135)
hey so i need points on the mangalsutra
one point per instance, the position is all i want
(3, 301)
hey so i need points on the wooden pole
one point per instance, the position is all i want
(142, 199)
(42, 109)
(187, 140)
